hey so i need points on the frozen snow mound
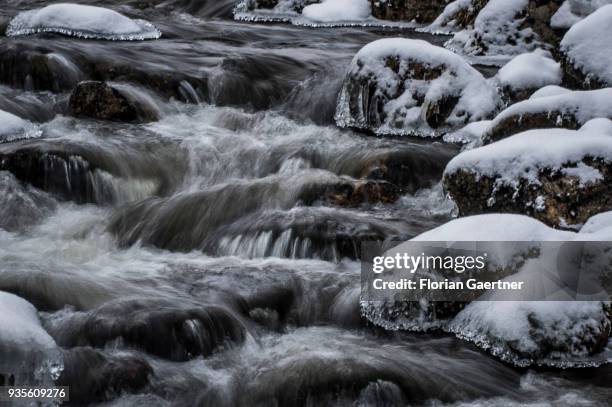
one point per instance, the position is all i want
(27, 352)
(401, 86)
(469, 136)
(559, 176)
(573, 11)
(81, 21)
(568, 110)
(526, 73)
(14, 128)
(587, 50)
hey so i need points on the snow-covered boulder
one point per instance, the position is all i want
(338, 10)
(15, 128)
(561, 177)
(528, 72)
(550, 90)
(400, 86)
(457, 15)
(27, 352)
(81, 21)
(498, 30)
(492, 31)
(573, 11)
(408, 10)
(587, 50)
(569, 110)
(469, 136)
(112, 101)
(553, 333)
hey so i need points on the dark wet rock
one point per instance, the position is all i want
(539, 13)
(188, 221)
(82, 173)
(54, 291)
(421, 11)
(21, 206)
(302, 232)
(95, 376)
(173, 332)
(104, 101)
(453, 18)
(37, 68)
(569, 110)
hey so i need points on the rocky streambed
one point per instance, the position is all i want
(184, 193)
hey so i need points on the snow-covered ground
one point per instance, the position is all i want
(81, 21)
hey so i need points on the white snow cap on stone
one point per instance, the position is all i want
(524, 154)
(15, 128)
(582, 105)
(81, 21)
(588, 47)
(550, 90)
(445, 23)
(338, 10)
(530, 70)
(572, 11)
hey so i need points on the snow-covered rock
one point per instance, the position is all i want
(498, 31)
(401, 86)
(526, 73)
(408, 10)
(15, 128)
(573, 11)
(27, 352)
(568, 110)
(553, 333)
(550, 90)
(559, 176)
(457, 15)
(338, 10)
(587, 50)
(81, 21)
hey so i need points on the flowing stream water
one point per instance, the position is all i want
(204, 248)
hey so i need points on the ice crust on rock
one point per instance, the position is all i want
(469, 136)
(27, 351)
(81, 21)
(530, 71)
(587, 46)
(15, 128)
(399, 86)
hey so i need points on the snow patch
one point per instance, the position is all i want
(338, 10)
(573, 11)
(81, 21)
(550, 90)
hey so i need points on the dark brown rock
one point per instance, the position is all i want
(557, 200)
(523, 121)
(100, 100)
